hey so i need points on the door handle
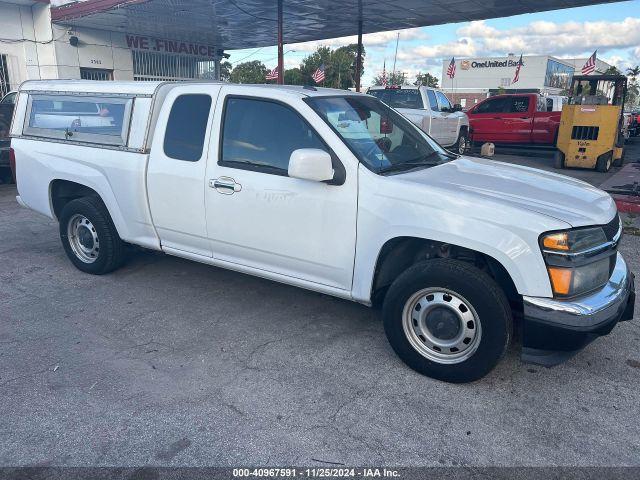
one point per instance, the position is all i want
(225, 185)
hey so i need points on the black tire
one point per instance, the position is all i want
(558, 160)
(461, 143)
(5, 176)
(620, 161)
(479, 290)
(111, 253)
(604, 162)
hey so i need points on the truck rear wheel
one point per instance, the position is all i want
(448, 320)
(89, 236)
(558, 160)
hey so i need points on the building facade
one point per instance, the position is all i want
(479, 78)
(32, 48)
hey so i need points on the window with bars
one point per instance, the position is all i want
(96, 74)
(5, 84)
(150, 66)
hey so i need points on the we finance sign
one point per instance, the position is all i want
(139, 42)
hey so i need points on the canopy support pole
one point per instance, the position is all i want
(280, 45)
(359, 54)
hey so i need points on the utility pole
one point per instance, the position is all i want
(396, 55)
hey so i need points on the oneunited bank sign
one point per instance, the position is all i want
(467, 64)
(139, 42)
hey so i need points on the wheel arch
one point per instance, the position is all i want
(62, 191)
(400, 253)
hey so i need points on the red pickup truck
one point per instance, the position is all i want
(514, 119)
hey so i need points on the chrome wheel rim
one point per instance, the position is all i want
(441, 325)
(83, 239)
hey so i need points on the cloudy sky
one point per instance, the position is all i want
(613, 29)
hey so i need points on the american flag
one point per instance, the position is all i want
(517, 76)
(273, 74)
(451, 71)
(590, 66)
(319, 74)
(384, 74)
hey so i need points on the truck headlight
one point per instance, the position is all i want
(574, 241)
(578, 261)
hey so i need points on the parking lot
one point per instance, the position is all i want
(168, 362)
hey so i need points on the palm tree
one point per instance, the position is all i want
(633, 72)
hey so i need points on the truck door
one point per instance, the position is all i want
(438, 122)
(518, 119)
(177, 166)
(450, 118)
(486, 119)
(259, 217)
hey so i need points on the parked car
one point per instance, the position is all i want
(336, 193)
(514, 119)
(554, 103)
(9, 98)
(431, 110)
(6, 112)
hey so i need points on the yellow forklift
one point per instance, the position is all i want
(590, 133)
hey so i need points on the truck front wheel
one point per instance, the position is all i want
(462, 144)
(448, 320)
(89, 236)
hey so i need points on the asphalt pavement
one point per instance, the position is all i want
(169, 362)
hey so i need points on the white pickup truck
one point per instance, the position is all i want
(334, 192)
(431, 110)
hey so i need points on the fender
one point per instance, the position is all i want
(391, 207)
(119, 180)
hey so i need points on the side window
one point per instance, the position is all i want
(99, 119)
(445, 105)
(187, 126)
(261, 135)
(495, 105)
(433, 100)
(519, 105)
(549, 105)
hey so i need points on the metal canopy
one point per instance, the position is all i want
(237, 24)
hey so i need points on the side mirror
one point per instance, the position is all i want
(311, 164)
(457, 108)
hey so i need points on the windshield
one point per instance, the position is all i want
(382, 139)
(400, 98)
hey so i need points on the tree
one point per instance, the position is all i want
(633, 72)
(426, 79)
(293, 76)
(612, 70)
(249, 72)
(225, 71)
(339, 66)
(397, 78)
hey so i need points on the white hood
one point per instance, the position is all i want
(569, 200)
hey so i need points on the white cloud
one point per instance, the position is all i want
(569, 38)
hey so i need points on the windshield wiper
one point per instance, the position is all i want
(425, 162)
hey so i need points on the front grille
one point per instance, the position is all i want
(585, 133)
(612, 228)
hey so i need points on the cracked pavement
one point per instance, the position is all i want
(168, 362)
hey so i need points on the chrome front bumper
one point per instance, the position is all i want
(554, 330)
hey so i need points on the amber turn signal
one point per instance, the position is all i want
(560, 280)
(557, 241)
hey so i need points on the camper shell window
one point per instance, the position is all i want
(90, 119)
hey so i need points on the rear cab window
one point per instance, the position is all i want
(519, 105)
(187, 127)
(400, 97)
(90, 119)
